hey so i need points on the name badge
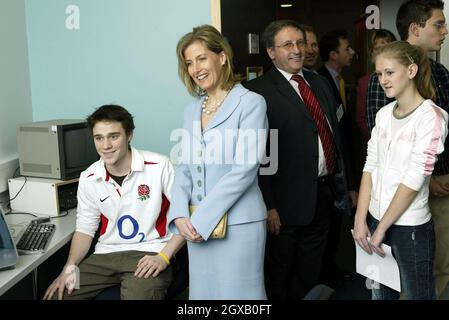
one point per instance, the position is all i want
(340, 112)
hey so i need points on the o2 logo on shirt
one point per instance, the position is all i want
(135, 228)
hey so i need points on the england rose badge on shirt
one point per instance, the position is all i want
(144, 192)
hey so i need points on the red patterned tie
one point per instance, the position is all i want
(317, 113)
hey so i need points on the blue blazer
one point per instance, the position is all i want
(217, 168)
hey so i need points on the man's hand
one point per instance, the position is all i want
(69, 278)
(150, 265)
(273, 222)
(353, 195)
(438, 188)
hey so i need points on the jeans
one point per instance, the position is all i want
(413, 247)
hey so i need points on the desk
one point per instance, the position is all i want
(65, 227)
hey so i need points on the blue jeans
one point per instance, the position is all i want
(413, 247)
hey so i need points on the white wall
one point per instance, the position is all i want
(15, 94)
(123, 53)
(388, 10)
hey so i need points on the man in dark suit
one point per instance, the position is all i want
(337, 54)
(310, 179)
(312, 49)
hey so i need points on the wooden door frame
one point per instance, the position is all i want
(215, 6)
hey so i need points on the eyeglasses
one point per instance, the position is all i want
(289, 45)
(440, 25)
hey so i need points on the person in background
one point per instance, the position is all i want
(393, 202)
(128, 190)
(312, 48)
(217, 172)
(310, 178)
(337, 54)
(422, 23)
(379, 38)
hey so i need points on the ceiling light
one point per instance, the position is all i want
(286, 5)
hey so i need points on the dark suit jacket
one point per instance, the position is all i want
(345, 125)
(293, 188)
(335, 91)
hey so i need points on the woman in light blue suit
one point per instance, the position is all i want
(223, 141)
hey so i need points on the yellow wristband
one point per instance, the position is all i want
(167, 261)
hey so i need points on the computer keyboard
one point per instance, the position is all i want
(36, 238)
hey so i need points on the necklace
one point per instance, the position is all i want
(212, 108)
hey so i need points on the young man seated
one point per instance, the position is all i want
(128, 190)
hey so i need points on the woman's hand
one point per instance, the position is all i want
(376, 242)
(187, 230)
(150, 265)
(361, 234)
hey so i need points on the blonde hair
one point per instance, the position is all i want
(407, 54)
(212, 39)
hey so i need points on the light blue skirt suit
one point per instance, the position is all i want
(217, 171)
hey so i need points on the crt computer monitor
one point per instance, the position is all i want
(58, 149)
